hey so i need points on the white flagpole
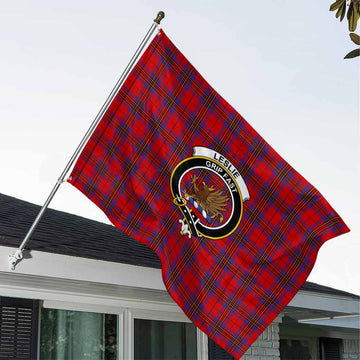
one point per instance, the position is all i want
(16, 257)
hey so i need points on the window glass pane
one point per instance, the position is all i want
(218, 353)
(74, 335)
(295, 350)
(164, 340)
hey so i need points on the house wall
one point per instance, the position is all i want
(313, 333)
(65, 282)
(351, 349)
(267, 346)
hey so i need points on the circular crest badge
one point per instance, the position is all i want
(209, 192)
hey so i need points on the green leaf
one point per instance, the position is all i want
(336, 5)
(343, 12)
(340, 10)
(355, 38)
(353, 16)
(352, 54)
(350, 11)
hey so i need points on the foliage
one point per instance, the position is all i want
(350, 8)
(356, 39)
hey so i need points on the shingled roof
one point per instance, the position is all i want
(67, 234)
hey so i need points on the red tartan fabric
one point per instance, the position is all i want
(236, 228)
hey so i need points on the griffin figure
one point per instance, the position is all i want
(211, 200)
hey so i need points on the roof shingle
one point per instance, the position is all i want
(63, 233)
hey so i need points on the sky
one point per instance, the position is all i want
(279, 63)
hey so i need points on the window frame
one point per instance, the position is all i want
(126, 318)
(131, 314)
(63, 305)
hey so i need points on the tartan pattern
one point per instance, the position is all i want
(232, 288)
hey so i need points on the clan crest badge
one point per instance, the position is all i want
(209, 192)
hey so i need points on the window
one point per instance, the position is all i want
(218, 353)
(86, 335)
(164, 340)
(330, 349)
(296, 349)
(73, 335)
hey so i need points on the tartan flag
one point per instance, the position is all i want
(175, 167)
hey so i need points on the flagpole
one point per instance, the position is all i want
(16, 257)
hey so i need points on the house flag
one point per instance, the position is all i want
(174, 166)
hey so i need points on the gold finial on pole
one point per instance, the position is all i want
(159, 17)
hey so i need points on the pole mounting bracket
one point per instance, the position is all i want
(15, 258)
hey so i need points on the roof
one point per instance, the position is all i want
(312, 287)
(67, 234)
